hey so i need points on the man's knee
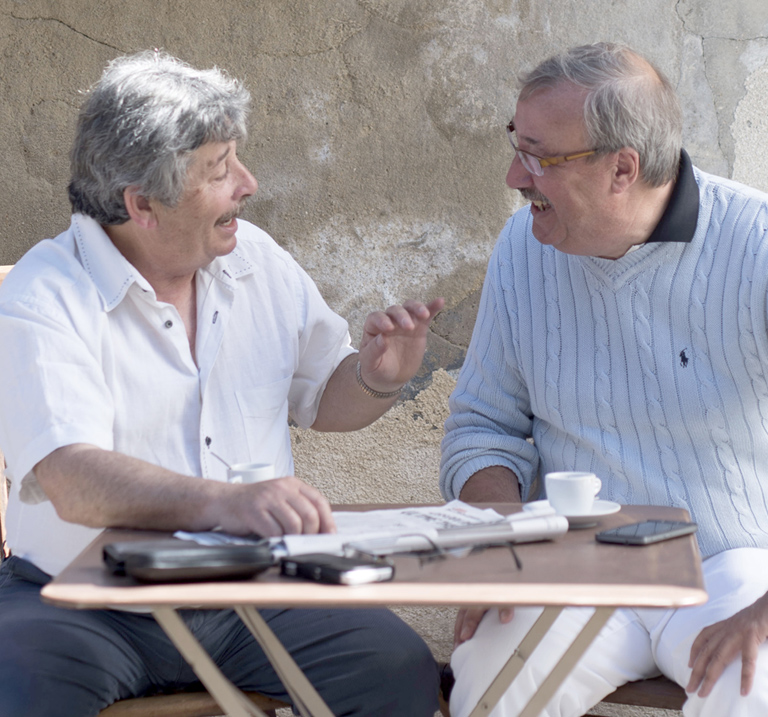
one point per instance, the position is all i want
(47, 671)
(392, 671)
(403, 662)
(16, 689)
(34, 682)
(726, 699)
(411, 660)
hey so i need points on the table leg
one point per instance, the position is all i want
(231, 700)
(567, 662)
(559, 672)
(516, 662)
(303, 694)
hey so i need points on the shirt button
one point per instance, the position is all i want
(168, 324)
(208, 441)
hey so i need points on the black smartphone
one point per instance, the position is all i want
(337, 569)
(646, 532)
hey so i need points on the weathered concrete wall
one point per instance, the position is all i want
(377, 138)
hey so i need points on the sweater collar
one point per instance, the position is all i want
(678, 223)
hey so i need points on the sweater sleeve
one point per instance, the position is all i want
(490, 419)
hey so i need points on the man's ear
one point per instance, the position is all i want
(139, 208)
(626, 170)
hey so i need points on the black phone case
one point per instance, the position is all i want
(646, 532)
(173, 560)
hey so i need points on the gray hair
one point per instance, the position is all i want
(139, 126)
(629, 103)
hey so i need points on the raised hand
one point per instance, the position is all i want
(393, 343)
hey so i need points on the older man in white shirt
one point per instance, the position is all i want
(156, 330)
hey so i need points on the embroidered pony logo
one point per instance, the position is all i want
(683, 359)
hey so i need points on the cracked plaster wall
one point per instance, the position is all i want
(377, 140)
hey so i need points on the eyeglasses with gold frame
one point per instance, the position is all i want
(535, 164)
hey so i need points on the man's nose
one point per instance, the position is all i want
(518, 177)
(247, 184)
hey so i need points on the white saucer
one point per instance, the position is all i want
(538, 506)
(599, 509)
(585, 520)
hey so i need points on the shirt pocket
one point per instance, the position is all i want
(264, 413)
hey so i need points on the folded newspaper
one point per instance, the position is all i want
(412, 529)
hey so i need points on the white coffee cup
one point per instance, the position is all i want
(572, 492)
(250, 472)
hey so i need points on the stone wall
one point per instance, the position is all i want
(377, 138)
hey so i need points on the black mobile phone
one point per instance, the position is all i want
(646, 532)
(337, 569)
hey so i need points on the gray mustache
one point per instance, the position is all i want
(532, 195)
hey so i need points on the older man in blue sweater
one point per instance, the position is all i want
(623, 327)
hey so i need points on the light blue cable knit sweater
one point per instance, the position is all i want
(649, 370)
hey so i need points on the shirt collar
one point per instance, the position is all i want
(113, 274)
(678, 223)
(233, 266)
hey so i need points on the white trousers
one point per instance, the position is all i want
(633, 645)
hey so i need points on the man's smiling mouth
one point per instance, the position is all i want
(227, 219)
(539, 202)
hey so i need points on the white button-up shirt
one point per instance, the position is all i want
(89, 355)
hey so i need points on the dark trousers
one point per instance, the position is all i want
(56, 662)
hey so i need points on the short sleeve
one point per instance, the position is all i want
(324, 342)
(52, 388)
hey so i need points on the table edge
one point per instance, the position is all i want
(208, 595)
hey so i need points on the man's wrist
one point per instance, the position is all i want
(372, 392)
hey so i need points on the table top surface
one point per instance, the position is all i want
(574, 569)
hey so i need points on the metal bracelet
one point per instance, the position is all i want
(368, 390)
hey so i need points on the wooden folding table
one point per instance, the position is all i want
(571, 570)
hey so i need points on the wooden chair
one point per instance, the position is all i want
(186, 704)
(657, 692)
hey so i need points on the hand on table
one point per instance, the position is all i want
(393, 343)
(469, 618)
(720, 644)
(276, 507)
